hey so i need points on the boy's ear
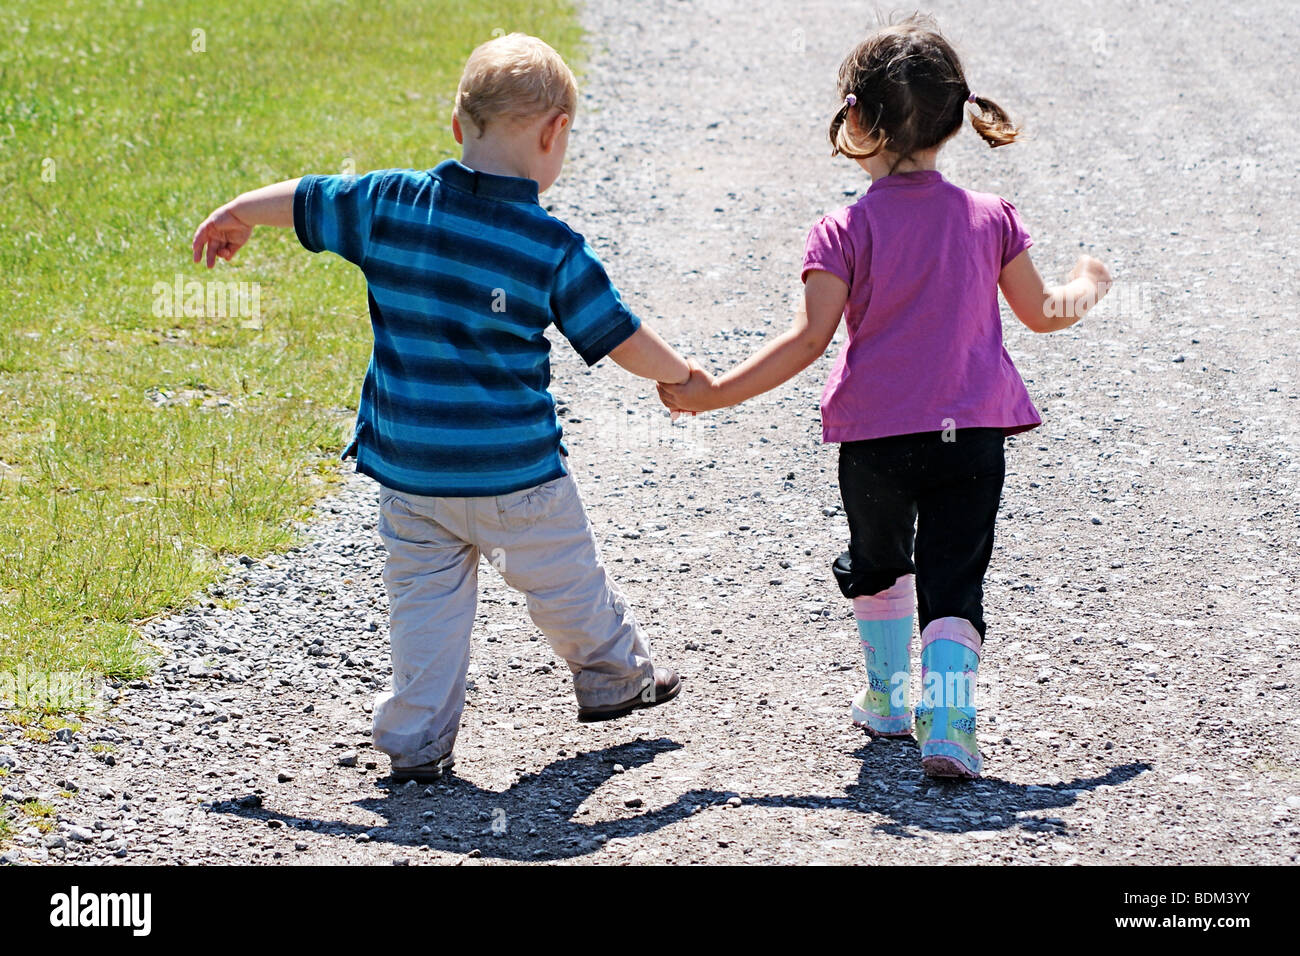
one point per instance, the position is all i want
(456, 130)
(552, 130)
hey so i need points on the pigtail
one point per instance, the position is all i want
(838, 131)
(993, 123)
(841, 136)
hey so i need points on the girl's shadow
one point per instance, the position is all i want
(539, 816)
(890, 783)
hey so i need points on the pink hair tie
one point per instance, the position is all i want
(850, 100)
(971, 98)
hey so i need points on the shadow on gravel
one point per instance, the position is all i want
(892, 785)
(537, 818)
(531, 820)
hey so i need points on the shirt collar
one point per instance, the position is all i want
(921, 177)
(488, 185)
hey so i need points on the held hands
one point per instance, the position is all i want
(223, 233)
(696, 394)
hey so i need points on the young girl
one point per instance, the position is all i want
(923, 392)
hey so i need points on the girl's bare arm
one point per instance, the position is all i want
(780, 360)
(1045, 308)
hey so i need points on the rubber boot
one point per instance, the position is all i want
(885, 631)
(945, 718)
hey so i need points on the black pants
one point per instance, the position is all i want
(919, 493)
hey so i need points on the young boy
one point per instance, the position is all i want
(465, 270)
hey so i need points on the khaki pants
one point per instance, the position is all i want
(541, 542)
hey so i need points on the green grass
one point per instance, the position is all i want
(136, 450)
(41, 727)
(39, 814)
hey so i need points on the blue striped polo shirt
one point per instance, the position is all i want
(465, 271)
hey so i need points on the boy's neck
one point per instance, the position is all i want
(494, 164)
(498, 154)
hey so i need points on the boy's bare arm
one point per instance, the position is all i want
(229, 227)
(1045, 308)
(644, 353)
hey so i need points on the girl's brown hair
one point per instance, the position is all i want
(910, 93)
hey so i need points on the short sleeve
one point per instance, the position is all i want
(587, 308)
(1015, 239)
(334, 213)
(828, 249)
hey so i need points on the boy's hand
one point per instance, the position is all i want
(696, 394)
(223, 233)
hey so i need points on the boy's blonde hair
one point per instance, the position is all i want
(515, 76)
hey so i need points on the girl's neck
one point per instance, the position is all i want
(886, 164)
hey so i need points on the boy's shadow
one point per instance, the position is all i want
(537, 818)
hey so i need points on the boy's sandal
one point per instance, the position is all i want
(430, 772)
(666, 686)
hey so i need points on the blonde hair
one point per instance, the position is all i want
(515, 76)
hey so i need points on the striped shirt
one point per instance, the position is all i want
(465, 271)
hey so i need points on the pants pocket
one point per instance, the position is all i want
(523, 509)
(398, 520)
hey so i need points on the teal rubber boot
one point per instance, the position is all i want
(945, 718)
(884, 620)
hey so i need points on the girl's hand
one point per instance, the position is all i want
(1094, 271)
(696, 394)
(223, 233)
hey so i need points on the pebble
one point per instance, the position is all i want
(175, 816)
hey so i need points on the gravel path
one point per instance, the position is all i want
(1140, 676)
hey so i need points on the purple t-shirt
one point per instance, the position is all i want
(921, 257)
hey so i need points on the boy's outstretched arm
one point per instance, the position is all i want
(644, 353)
(1045, 308)
(226, 230)
(780, 360)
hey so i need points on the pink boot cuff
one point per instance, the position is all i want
(895, 602)
(952, 629)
